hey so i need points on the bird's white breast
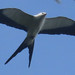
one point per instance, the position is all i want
(38, 24)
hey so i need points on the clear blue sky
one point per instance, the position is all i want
(53, 54)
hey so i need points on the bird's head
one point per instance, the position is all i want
(40, 14)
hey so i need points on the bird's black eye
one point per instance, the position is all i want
(42, 13)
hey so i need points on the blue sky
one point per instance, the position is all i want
(53, 54)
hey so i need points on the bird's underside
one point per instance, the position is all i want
(34, 25)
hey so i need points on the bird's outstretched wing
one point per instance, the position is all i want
(15, 18)
(30, 47)
(58, 25)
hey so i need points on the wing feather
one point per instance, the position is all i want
(58, 25)
(15, 18)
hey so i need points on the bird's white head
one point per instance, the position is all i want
(41, 14)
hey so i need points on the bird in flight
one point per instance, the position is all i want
(58, 1)
(33, 25)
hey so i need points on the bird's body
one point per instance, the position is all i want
(34, 25)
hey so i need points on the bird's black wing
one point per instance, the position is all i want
(15, 18)
(58, 25)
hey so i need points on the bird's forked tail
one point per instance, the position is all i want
(21, 47)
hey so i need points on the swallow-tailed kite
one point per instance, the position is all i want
(58, 1)
(34, 25)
